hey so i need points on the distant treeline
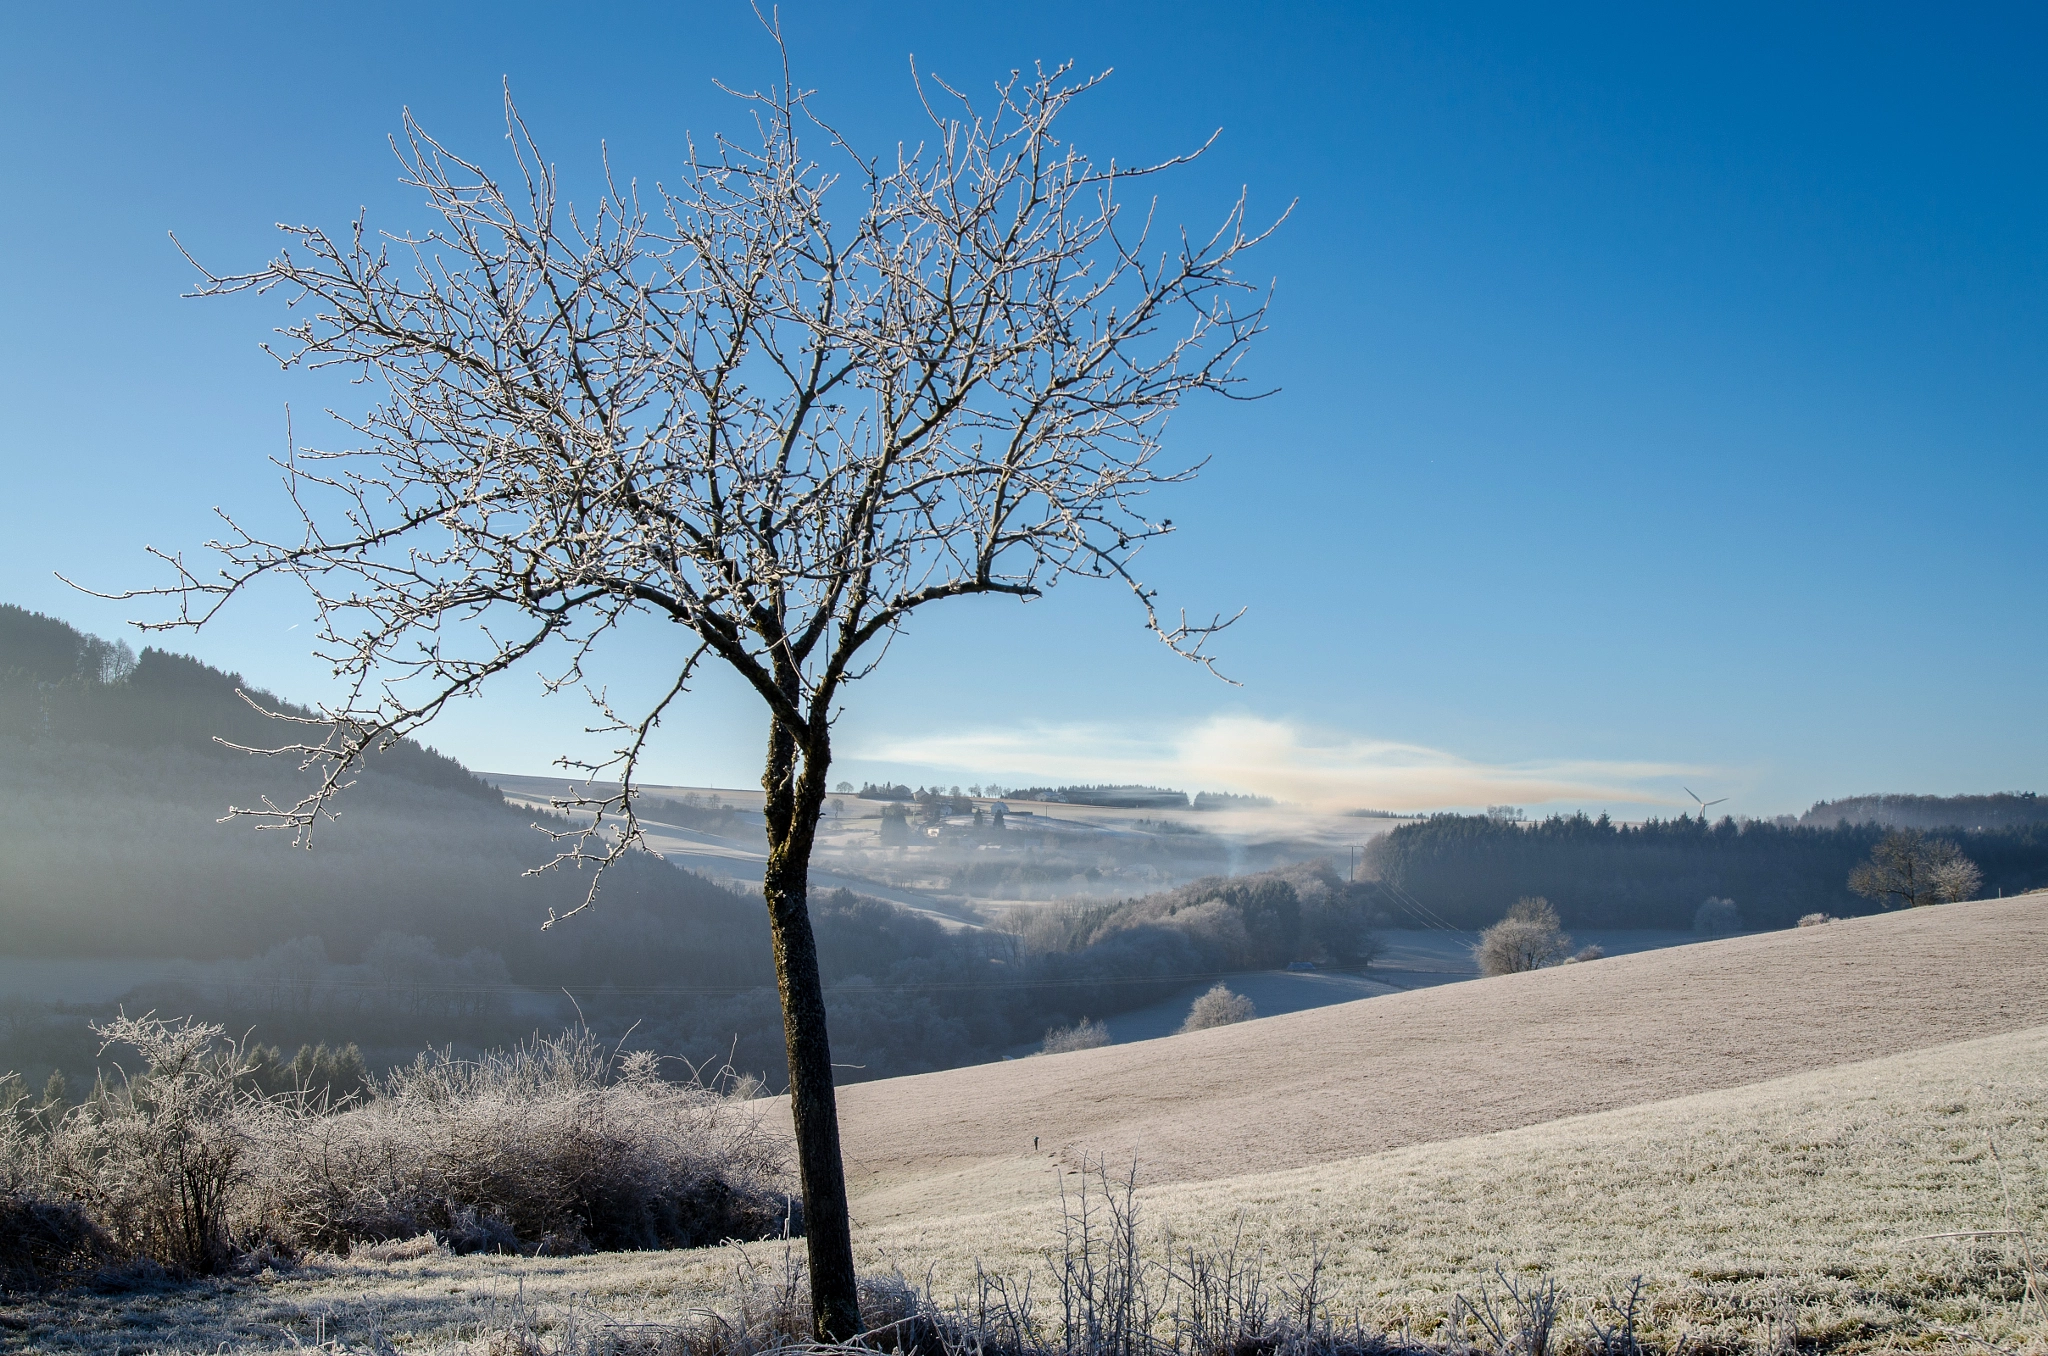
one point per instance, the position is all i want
(706, 814)
(1111, 797)
(904, 994)
(1467, 869)
(2004, 810)
(907, 995)
(1226, 800)
(1294, 913)
(1107, 797)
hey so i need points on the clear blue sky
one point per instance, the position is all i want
(1663, 395)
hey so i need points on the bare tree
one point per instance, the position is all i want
(783, 404)
(1908, 869)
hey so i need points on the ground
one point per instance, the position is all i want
(1767, 1129)
(1451, 1061)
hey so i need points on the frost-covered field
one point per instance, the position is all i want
(1792, 1209)
(1806, 1196)
(1767, 1129)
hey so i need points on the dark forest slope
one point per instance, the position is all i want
(112, 782)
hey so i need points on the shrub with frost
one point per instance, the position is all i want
(1218, 1007)
(557, 1146)
(1082, 1035)
(1717, 918)
(157, 1155)
(553, 1147)
(1528, 938)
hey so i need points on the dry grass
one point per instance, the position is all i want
(555, 1146)
(560, 1145)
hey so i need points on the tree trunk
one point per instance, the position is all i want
(792, 807)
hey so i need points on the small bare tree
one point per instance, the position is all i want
(1956, 878)
(784, 405)
(1908, 869)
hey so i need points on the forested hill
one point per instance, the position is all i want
(1467, 869)
(59, 684)
(111, 783)
(2005, 810)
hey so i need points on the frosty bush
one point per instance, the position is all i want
(1082, 1035)
(552, 1147)
(556, 1146)
(1528, 938)
(156, 1157)
(1717, 918)
(42, 1241)
(1218, 1007)
(1814, 920)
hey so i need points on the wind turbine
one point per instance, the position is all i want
(1705, 805)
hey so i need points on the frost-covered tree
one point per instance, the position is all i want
(784, 403)
(1908, 869)
(1716, 917)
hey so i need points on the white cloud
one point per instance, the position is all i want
(1276, 758)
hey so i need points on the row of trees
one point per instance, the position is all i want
(1111, 797)
(1456, 869)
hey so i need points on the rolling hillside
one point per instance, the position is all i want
(1335, 1083)
(1818, 1212)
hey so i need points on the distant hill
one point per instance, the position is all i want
(2002, 810)
(112, 783)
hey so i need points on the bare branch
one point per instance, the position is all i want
(782, 407)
